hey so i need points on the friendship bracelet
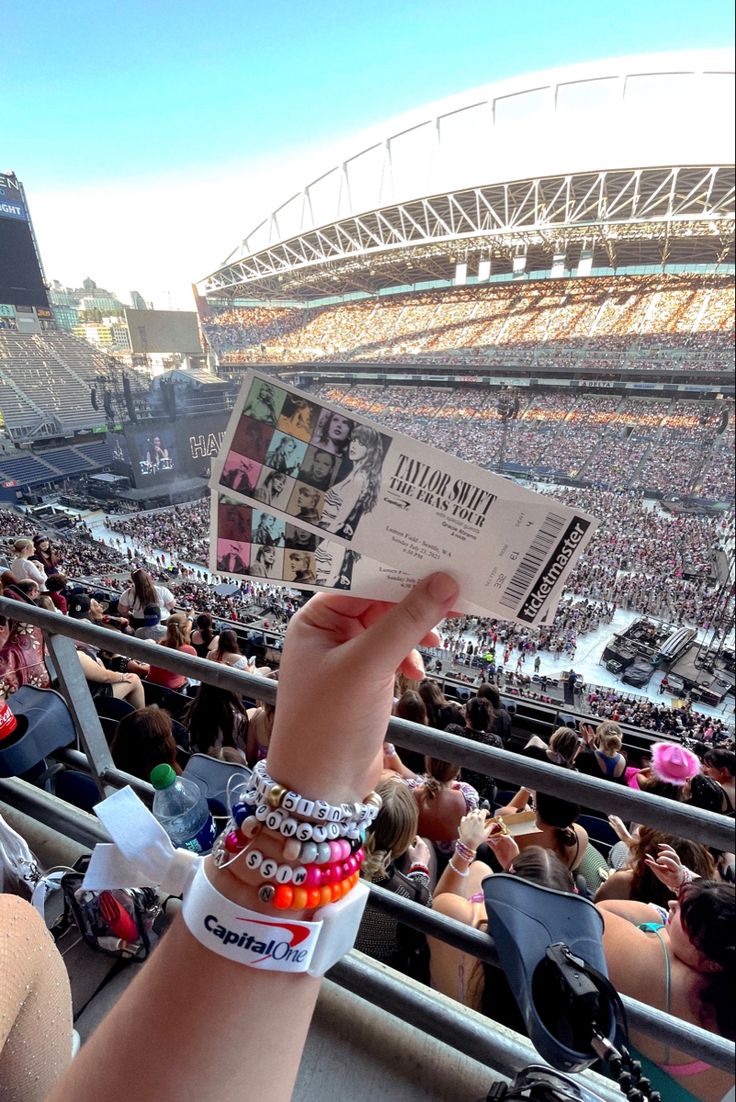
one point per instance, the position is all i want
(288, 898)
(464, 851)
(278, 796)
(456, 870)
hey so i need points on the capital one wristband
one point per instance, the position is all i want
(271, 943)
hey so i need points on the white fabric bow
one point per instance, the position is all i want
(141, 853)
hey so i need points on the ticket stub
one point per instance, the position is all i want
(402, 508)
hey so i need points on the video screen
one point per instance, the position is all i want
(157, 454)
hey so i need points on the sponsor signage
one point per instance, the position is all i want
(11, 198)
(6, 311)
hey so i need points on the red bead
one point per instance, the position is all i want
(284, 897)
(313, 897)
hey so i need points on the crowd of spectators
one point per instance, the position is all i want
(672, 448)
(659, 321)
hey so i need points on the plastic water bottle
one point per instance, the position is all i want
(182, 810)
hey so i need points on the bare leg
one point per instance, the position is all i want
(35, 1005)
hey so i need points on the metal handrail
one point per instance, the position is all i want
(684, 1036)
(688, 1038)
(705, 827)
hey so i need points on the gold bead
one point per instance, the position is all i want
(276, 795)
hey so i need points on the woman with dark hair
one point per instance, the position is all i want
(558, 829)
(399, 862)
(333, 432)
(440, 711)
(720, 766)
(225, 648)
(218, 724)
(685, 967)
(500, 720)
(45, 554)
(410, 707)
(132, 602)
(459, 895)
(357, 493)
(639, 882)
(143, 740)
(56, 587)
(178, 630)
(442, 799)
(203, 633)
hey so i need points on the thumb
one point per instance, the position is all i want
(389, 640)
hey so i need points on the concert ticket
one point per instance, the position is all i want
(307, 494)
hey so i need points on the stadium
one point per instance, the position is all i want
(537, 276)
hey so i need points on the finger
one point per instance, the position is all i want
(413, 666)
(397, 632)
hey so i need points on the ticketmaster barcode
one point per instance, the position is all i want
(528, 568)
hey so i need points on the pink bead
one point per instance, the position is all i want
(346, 870)
(352, 865)
(344, 850)
(328, 874)
(234, 841)
(335, 851)
(314, 877)
(360, 856)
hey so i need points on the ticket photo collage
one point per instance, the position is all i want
(257, 544)
(296, 457)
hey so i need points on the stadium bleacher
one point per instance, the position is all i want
(45, 378)
(673, 322)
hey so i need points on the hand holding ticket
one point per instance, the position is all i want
(307, 495)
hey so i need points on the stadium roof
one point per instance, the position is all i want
(630, 158)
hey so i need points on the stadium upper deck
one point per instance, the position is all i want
(594, 167)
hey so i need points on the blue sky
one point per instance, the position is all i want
(108, 108)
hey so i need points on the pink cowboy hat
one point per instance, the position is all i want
(674, 764)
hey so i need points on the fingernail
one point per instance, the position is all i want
(442, 588)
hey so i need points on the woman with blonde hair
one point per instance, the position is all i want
(606, 742)
(178, 630)
(398, 861)
(21, 567)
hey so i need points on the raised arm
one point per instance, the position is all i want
(244, 1029)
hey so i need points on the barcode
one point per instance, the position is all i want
(527, 570)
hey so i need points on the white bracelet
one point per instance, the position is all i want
(456, 870)
(271, 943)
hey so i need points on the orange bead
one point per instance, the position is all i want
(300, 898)
(325, 895)
(284, 897)
(313, 897)
(335, 888)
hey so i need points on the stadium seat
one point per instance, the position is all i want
(110, 707)
(46, 725)
(599, 831)
(212, 776)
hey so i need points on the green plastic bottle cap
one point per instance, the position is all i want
(162, 776)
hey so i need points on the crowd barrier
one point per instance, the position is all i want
(387, 989)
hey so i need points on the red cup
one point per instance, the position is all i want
(8, 722)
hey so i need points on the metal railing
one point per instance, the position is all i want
(706, 827)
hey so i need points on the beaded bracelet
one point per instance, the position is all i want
(464, 851)
(287, 898)
(456, 870)
(250, 816)
(278, 796)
